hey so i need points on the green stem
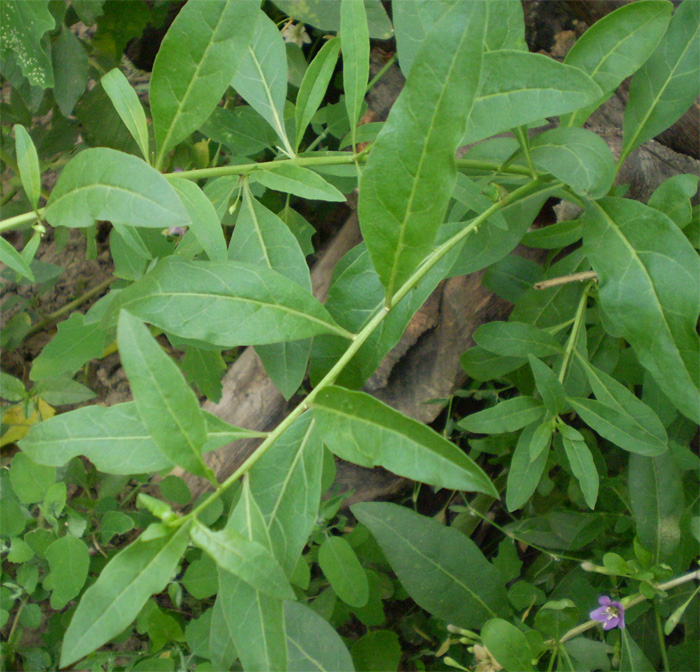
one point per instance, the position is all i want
(70, 307)
(523, 138)
(358, 341)
(381, 73)
(661, 636)
(579, 319)
(18, 220)
(632, 601)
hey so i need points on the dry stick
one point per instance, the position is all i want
(566, 279)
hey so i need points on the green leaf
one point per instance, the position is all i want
(70, 69)
(262, 238)
(507, 644)
(22, 26)
(199, 55)
(314, 86)
(656, 497)
(234, 303)
(410, 175)
(88, 10)
(204, 222)
(112, 438)
(441, 569)
(11, 388)
(506, 26)
(115, 599)
(672, 197)
(413, 20)
(286, 484)
(577, 157)
(511, 276)
(312, 642)
(254, 620)
(472, 197)
(489, 244)
(74, 344)
(166, 404)
(62, 390)
(583, 468)
(649, 274)
(377, 651)
(631, 655)
(10, 256)
(298, 181)
(667, 84)
(549, 387)
(30, 480)
(242, 130)
(507, 416)
(325, 14)
(344, 571)
(616, 46)
(354, 34)
(28, 164)
(128, 106)
(555, 236)
(200, 579)
(204, 369)
(69, 561)
(246, 559)
(480, 364)
(518, 87)
(635, 426)
(363, 430)
(104, 184)
(516, 339)
(261, 78)
(525, 473)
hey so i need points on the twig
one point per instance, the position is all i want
(566, 279)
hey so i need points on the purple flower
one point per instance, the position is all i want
(610, 613)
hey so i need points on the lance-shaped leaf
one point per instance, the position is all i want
(314, 85)
(261, 77)
(10, 256)
(577, 157)
(71, 70)
(166, 404)
(128, 107)
(518, 87)
(616, 46)
(22, 27)
(441, 568)
(312, 642)
(254, 620)
(74, 344)
(656, 496)
(104, 184)
(507, 416)
(204, 222)
(28, 164)
(195, 63)
(286, 483)
(672, 197)
(224, 303)
(649, 275)
(246, 559)
(668, 83)
(525, 473)
(363, 430)
(115, 599)
(507, 644)
(516, 339)
(298, 181)
(583, 468)
(113, 438)
(354, 35)
(263, 239)
(410, 175)
(620, 416)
